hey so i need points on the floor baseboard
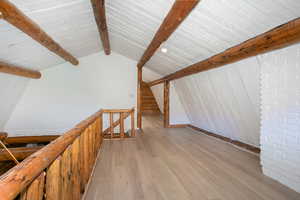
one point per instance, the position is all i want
(242, 145)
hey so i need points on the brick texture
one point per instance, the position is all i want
(280, 116)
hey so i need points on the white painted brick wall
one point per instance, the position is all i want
(280, 115)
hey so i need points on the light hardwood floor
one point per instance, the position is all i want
(181, 164)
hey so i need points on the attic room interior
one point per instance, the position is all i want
(158, 100)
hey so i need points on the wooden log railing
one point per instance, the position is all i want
(123, 114)
(60, 170)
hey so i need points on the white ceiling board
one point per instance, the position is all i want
(133, 24)
(70, 23)
(149, 75)
(214, 25)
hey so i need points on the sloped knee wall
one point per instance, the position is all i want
(12, 88)
(280, 130)
(225, 100)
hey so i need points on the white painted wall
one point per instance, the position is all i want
(224, 100)
(68, 94)
(280, 119)
(150, 75)
(11, 90)
(158, 92)
(177, 112)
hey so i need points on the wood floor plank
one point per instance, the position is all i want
(171, 164)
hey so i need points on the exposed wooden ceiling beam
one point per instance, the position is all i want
(19, 71)
(277, 38)
(19, 152)
(3, 136)
(100, 17)
(30, 139)
(15, 17)
(179, 11)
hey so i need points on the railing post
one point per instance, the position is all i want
(132, 123)
(111, 120)
(166, 104)
(122, 132)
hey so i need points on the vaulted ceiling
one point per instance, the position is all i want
(212, 27)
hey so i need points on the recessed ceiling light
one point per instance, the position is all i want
(164, 50)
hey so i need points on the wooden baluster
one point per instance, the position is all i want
(53, 180)
(66, 173)
(82, 162)
(122, 132)
(86, 156)
(111, 120)
(93, 143)
(97, 135)
(76, 170)
(132, 123)
(101, 130)
(90, 148)
(35, 191)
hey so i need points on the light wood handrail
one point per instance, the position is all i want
(117, 110)
(18, 178)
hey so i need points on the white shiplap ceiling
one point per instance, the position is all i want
(213, 26)
(69, 22)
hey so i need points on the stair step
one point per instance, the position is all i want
(150, 108)
(149, 103)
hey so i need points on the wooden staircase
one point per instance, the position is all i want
(149, 104)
